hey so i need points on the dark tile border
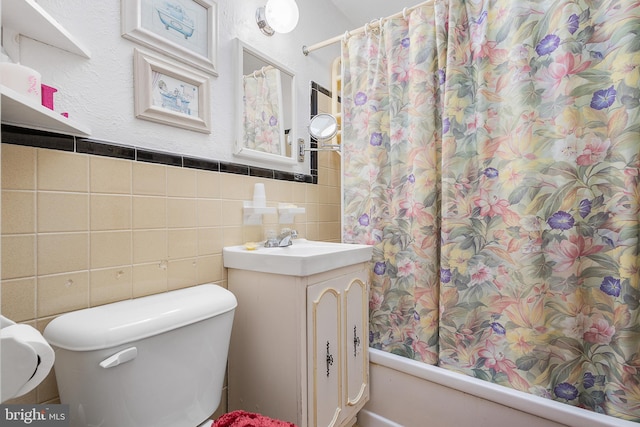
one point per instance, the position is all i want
(40, 139)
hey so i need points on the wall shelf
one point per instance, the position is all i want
(28, 18)
(19, 110)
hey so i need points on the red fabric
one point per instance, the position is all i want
(249, 419)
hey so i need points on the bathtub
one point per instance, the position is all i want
(408, 393)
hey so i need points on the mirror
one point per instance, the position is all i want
(323, 127)
(265, 111)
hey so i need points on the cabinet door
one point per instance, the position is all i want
(356, 338)
(325, 370)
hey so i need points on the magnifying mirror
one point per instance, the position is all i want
(323, 127)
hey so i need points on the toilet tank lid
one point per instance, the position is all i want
(118, 323)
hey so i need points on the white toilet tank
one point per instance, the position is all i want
(156, 361)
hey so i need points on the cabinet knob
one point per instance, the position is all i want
(329, 359)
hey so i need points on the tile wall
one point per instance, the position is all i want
(81, 230)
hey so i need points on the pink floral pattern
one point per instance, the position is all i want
(492, 158)
(262, 113)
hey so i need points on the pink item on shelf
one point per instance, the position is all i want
(47, 96)
(65, 114)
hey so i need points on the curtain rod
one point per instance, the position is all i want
(375, 23)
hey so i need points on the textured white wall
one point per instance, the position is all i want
(99, 91)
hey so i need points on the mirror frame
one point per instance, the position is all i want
(239, 149)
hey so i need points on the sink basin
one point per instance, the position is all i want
(302, 258)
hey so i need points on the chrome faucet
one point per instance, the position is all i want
(283, 239)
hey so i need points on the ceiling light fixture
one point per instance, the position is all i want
(277, 16)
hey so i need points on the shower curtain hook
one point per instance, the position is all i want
(404, 13)
(380, 22)
(346, 36)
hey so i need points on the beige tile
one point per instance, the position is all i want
(18, 212)
(231, 212)
(210, 269)
(209, 213)
(255, 233)
(58, 212)
(312, 193)
(149, 279)
(18, 299)
(232, 236)
(62, 252)
(109, 175)
(299, 192)
(110, 249)
(181, 182)
(183, 243)
(182, 273)
(149, 179)
(62, 171)
(238, 187)
(18, 167)
(208, 184)
(109, 212)
(209, 241)
(181, 213)
(149, 246)
(18, 256)
(149, 212)
(62, 293)
(110, 285)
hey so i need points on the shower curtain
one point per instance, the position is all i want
(491, 156)
(262, 113)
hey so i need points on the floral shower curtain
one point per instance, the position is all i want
(534, 223)
(262, 119)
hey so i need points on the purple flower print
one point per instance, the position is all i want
(441, 76)
(588, 380)
(376, 139)
(411, 178)
(380, 268)
(584, 208)
(548, 44)
(364, 220)
(561, 221)
(498, 328)
(445, 275)
(360, 98)
(491, 172)
(610, 286)
(603, 98)
(565, 391)
(273, 121)
(416, 316)
(573, 23)
(446, 125)
(405, 42)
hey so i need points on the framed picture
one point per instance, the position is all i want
(168, 92)
(182, 29)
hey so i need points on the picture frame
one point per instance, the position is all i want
(171, 93)
(185, 30)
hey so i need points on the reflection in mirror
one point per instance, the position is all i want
(323, 127)
(265, 107)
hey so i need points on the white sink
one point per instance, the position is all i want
(302, 258)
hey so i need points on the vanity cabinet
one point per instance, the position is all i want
(299, 345)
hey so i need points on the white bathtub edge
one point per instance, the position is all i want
(521, 401)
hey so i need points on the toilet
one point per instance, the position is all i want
(155, 361)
